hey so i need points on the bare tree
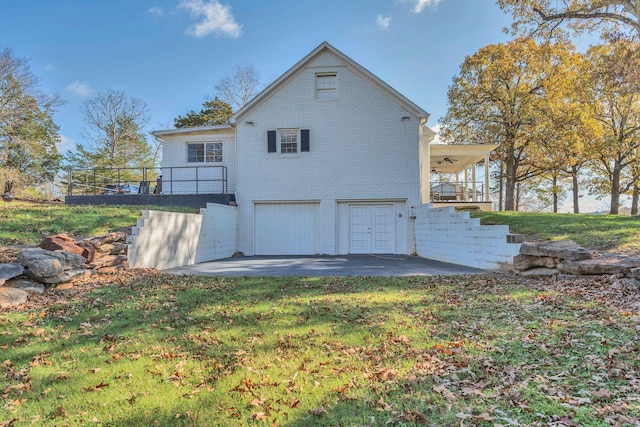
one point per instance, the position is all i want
(240, 86)
(579, 15)
(114, 130)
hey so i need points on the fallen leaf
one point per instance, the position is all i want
(602, 393)
(97, 387)
(259, 416)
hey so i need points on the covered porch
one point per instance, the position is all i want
(459, 176)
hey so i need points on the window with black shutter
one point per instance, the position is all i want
(271, 141)
(304, 140)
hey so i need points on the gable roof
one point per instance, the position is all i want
(413, 108)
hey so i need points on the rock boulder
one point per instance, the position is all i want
(9, 271)
(563, 249)
(12, 296)
(621, 265)
(51, 266)
(63, 242)
(525, 262)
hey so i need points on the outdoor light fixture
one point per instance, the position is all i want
(249, 123)
(412, 212)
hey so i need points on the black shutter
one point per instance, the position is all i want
(271, 141)
(304, 139)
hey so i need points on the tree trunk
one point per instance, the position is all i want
(574, 189)
(634, 199)
(555, 193)
(501, 186)
(615, 188)
(509, 199)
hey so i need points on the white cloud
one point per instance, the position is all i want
(156, 11)
(383, 21)
(214, 18)
(420, 5)
(436, 128)
(80, 88)
(66, 144)
(50, 68)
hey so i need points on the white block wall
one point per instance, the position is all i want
(443, 234)
(360, 150)
(170, 239)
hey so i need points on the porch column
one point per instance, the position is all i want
(486, 178)
(465, 189)
(474, 198)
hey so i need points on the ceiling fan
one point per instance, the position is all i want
(446, 159)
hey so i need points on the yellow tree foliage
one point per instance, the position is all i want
(614, 73)
(568, 129)
(498, 97)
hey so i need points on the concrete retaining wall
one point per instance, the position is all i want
(170, 239)
(443, 234)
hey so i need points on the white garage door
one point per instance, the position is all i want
(287, 228)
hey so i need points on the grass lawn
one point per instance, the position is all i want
(591, 231)
(25, 223)
(153, 349)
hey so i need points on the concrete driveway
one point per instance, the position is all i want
(344, 265)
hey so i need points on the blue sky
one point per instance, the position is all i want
(171, 53)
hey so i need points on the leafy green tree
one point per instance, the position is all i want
(28, 134)
(215, 112)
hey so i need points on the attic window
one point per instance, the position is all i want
(326, 86)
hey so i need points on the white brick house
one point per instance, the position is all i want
(328, 159)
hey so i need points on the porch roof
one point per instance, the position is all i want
(447, 158)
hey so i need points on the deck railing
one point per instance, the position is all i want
(166, 180)
(445, 191)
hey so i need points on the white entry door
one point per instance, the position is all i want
(372, 229)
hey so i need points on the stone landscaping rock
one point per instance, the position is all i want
(108, 261)
(525, 262)
(89, 252)
(12, 296)
(620, 266)
(563, 249)
(113, 269)
(26, 285)
(62, 242)
(63, 277)
(9, 271)
(540, 272)
(118, 236)
(106, 248)
(119, 249)
(47, 266)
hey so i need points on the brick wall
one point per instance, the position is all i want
(174, 154)
(360, 149)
